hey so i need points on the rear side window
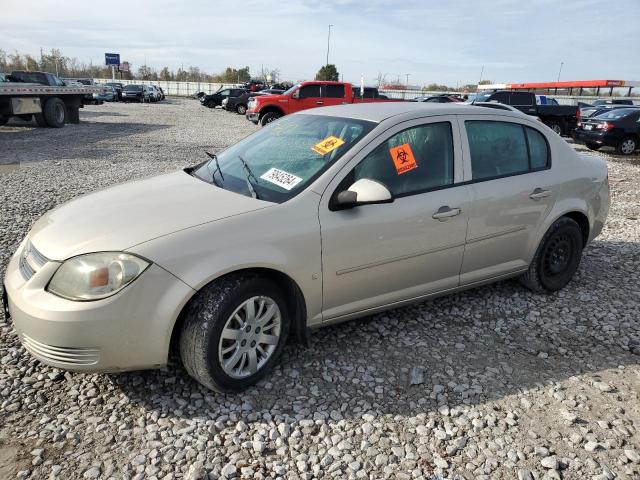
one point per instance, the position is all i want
(500, 149)
(521, 99)
(334, 91)
(538, 149)
(412, 161)
(501, 97)
(310, 91)
(497, 149)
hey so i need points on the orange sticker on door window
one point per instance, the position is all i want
(327, 145)
(403, 158)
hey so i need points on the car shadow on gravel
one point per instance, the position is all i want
(467, 348)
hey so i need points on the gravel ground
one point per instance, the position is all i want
(491, 383)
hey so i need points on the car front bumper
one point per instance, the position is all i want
(130, 330)
(253, 117)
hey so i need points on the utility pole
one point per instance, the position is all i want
(328, 39)
(407, 75)
(560, 71)
(481, 73)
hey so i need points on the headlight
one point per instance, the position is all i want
(96, 275)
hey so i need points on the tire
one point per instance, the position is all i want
(241, 109)
(556, 127)
(219, 307)
(269, 117)
(55, 112)
(557, 257)
(627, 146)
(593, 146)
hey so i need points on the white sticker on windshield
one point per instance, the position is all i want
(281, 178)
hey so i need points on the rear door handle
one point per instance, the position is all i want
(445, 212)
(319, 102)
(539, 193)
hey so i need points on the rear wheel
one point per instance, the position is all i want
(627, 146)
(593, 146)
(241, 109)
(269, 117)
(54, 112)
(233, 332)
(557, 258)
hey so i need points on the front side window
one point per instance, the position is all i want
(310, 91)
(412, 161)
(501, 149)
(521, 99)
(280, 160)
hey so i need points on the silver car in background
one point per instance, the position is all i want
(326, 215)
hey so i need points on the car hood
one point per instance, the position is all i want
(120, 217)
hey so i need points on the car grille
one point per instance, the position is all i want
(61, 355)
(31, 260)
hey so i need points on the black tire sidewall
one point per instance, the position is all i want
(269, 117)
(244, 290)
(571, 228)
(51, 109)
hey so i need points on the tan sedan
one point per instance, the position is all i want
(323, 216)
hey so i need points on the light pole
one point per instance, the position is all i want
(328, 38)
(407, 75)
(560, 71)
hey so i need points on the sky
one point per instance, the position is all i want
(445, 41)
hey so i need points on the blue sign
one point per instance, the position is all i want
(112, 59)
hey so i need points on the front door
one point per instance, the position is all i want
(376, 255)
(309, 96)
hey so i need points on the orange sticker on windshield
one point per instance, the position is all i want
(327, 145)
(403, 158)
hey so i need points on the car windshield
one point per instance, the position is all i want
(133, 88)
(483, 97)
(280, 160)
(616, 114)
(290, 90)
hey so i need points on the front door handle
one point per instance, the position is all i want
(539, 193)
(319, 102)
(445, 212)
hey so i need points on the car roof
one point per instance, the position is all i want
(379, 111)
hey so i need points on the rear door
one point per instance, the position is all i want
(333, 95)
(512, 191)
(523, 101)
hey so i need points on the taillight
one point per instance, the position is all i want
(606, 126)
(579, 124)
(578, 115)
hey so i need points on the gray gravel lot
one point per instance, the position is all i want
(492, 383)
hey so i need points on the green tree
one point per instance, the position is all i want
(328, 72)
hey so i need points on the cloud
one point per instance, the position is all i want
(443, 42)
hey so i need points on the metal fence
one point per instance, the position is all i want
(186, 89)
(177, 89)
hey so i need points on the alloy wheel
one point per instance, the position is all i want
(628, 146)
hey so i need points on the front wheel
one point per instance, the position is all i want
(627, 146)
(241, 109)
(557, 258)
(233, 332)
(269, 117)
(593, 146)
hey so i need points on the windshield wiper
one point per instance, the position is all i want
(249, 174)
(214, 157)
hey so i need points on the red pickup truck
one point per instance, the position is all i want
(265, 109)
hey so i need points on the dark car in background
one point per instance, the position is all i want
(215, 99)
(239, 104)
(439, 99)
(136, 93)
(588, 111)
(118, 88)
(618, 128)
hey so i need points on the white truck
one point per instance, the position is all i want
(43, 96)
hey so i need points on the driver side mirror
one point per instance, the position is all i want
(296, 94)
(363, 192)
